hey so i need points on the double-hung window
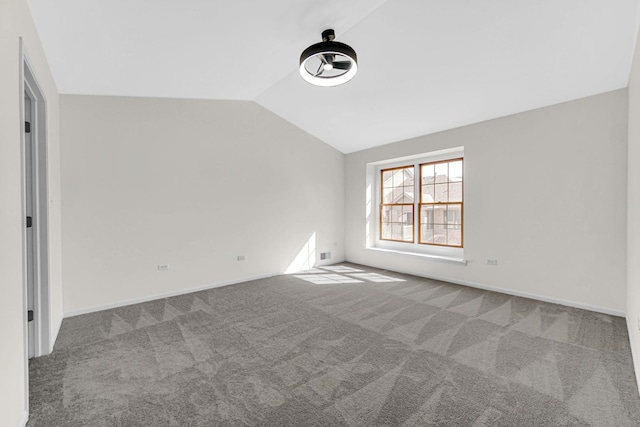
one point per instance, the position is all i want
(441, 203)
(422, 203)
(398, 204)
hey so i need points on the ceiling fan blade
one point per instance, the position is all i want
(342, 65)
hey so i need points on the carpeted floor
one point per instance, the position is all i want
(338, 346)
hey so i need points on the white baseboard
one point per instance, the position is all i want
(23, 420)
(544, 298)
(54, 334)
(482, 286)
(529, 295)
(163, 295)
(632, 343)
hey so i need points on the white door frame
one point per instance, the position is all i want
(41, 289)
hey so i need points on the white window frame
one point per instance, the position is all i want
(374, 192)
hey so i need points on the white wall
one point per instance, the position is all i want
(633, 212)
(15, 22)
(545, 195)
(193, 184)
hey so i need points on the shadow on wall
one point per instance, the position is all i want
(306, 258)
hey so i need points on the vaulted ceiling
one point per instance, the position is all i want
(424, 65)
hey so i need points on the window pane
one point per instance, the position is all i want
(408, 177)
(455, 171)
(454, 237)
(407, 212)
(394, 195)
(426, 234)
(426, 217)
(398, 177)
(396, 183)
(439, 214)
(386, 231)
(439, 234)
(442, 192)
(390, 195)
(454, 217)
(396, 214)
(386, 214)
(387, 195)
(455, 191)
(428, 193)
(396, 231)
(397, 222)
(408, 194)
(407, 228)
(428, 173)
(408, 218)
(442, 172)
(386, 178)
(408, 233)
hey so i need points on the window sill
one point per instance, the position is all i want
(419, 255)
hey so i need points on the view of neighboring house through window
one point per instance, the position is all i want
(396, 209)
(437, 196)
(441, 203)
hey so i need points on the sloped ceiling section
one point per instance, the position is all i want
(424, 65)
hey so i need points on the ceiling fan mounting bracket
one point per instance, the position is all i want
(328, 35)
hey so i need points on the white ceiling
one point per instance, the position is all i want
(423, 65)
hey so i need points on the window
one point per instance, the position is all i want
(437, 196)
(441, 203)
(396, 209)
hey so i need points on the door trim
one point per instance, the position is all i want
(42, 292)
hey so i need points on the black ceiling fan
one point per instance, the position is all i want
(328, 63)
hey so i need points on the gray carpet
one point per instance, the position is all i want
(339, 346)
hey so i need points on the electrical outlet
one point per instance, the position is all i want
(240, 257)
(163, 267)
(492, 262)
(325, 255)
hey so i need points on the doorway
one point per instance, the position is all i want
(36, 215)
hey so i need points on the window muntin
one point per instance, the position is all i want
(441, 203)
(397, 187)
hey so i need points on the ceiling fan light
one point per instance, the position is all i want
(329, 50)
